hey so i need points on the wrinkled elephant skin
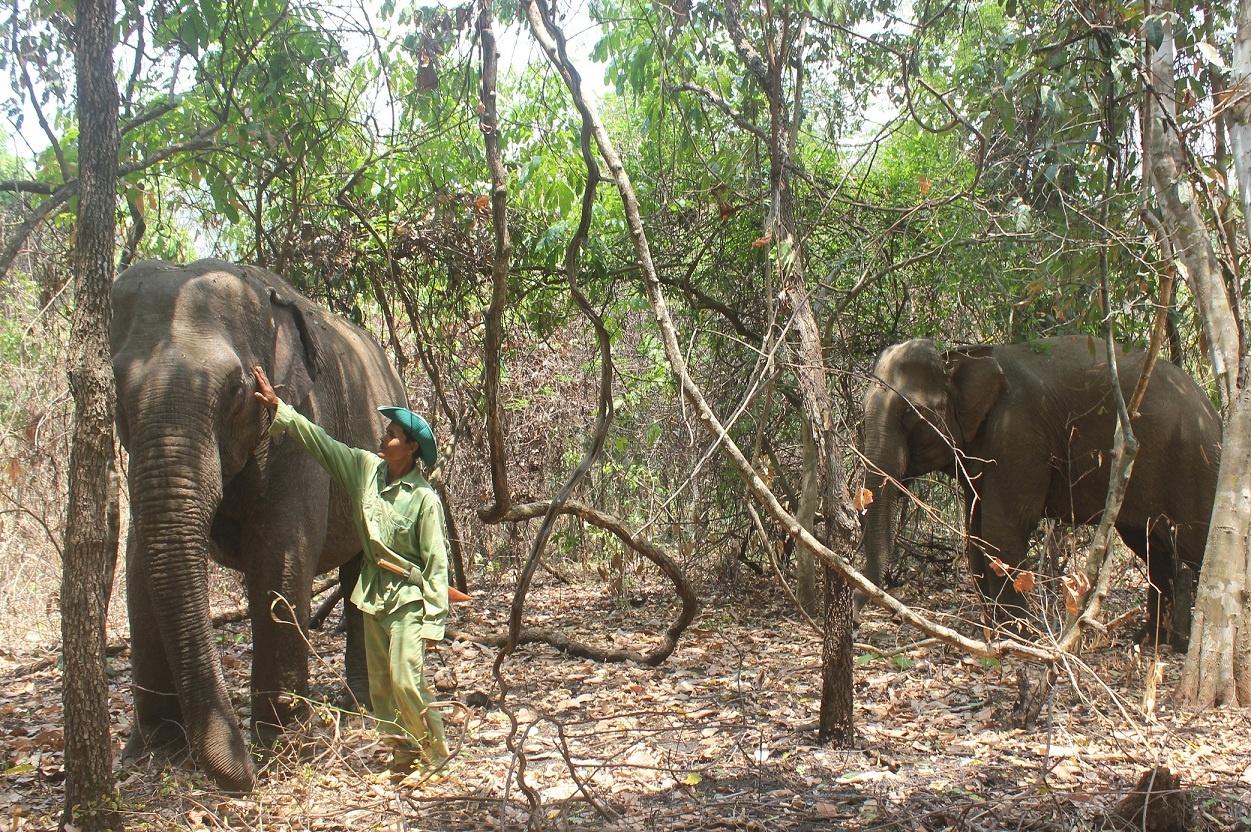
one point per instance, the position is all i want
(207, 481)
(1027, 430)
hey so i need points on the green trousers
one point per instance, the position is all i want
(401, 699)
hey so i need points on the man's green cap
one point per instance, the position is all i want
(416, 429)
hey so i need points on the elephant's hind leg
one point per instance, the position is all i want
(158, 727)
(1168, 609)
(357, 693)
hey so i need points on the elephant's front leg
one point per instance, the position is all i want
(1000, 528)
(158, 726)
(279, 580)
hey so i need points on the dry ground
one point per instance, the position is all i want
(719, 737)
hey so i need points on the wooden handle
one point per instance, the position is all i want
(454, 595)
(392, 568)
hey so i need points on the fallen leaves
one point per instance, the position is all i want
(721, 731)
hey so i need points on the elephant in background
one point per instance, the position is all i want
(207, 481)
(1027, 430)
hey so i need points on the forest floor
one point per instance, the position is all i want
(720, 736)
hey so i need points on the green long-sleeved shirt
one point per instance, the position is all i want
(404, 518)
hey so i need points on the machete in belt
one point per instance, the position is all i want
(409, 572)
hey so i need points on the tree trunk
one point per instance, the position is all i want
(836, 720)
(805, 562)
(92, 510)
(1218, 666)
(1239, 115)
(1183, 222)
(494, 323)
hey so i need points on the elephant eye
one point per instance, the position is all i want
(237, 392)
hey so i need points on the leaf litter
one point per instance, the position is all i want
(720, 736)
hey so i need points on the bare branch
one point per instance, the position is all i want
(26, 186)
(43, 122)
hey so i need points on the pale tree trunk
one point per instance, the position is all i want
(1239, 115)
(91, 514)
(805, 562)
(1183, 221)
(1218, 666)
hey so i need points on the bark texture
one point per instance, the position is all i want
(494, 322)
(1183, 221)
(92, 510)
(1218, 665)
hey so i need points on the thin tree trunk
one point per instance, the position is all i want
(499, 272)
(1218, 666)
(805, 563)
(1183, 222)
(92, 510)
(1239, 114)
(836, 723)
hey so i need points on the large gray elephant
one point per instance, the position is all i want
(207, 481)
(1027, 430)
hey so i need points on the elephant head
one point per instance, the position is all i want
(183, 342)
(922, 409)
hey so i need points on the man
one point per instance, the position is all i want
(403, 583)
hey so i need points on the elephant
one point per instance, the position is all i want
(1027, 430)
(207, 481)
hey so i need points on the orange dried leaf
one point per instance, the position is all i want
(923, 182)
(998, 567)
(862, 500)
(1025, 581)
(761, 242)
(1075, 588)
(482, 204)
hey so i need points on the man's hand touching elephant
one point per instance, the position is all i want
(264, 390)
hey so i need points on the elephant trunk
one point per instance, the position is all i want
(886, 455)
(175, 486)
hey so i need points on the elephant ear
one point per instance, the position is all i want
(297, 354)
(979, 381)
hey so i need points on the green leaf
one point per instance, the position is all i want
(693, 778)
(1153, 29)
(903, 662)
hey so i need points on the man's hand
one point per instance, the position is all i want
(264, 390)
